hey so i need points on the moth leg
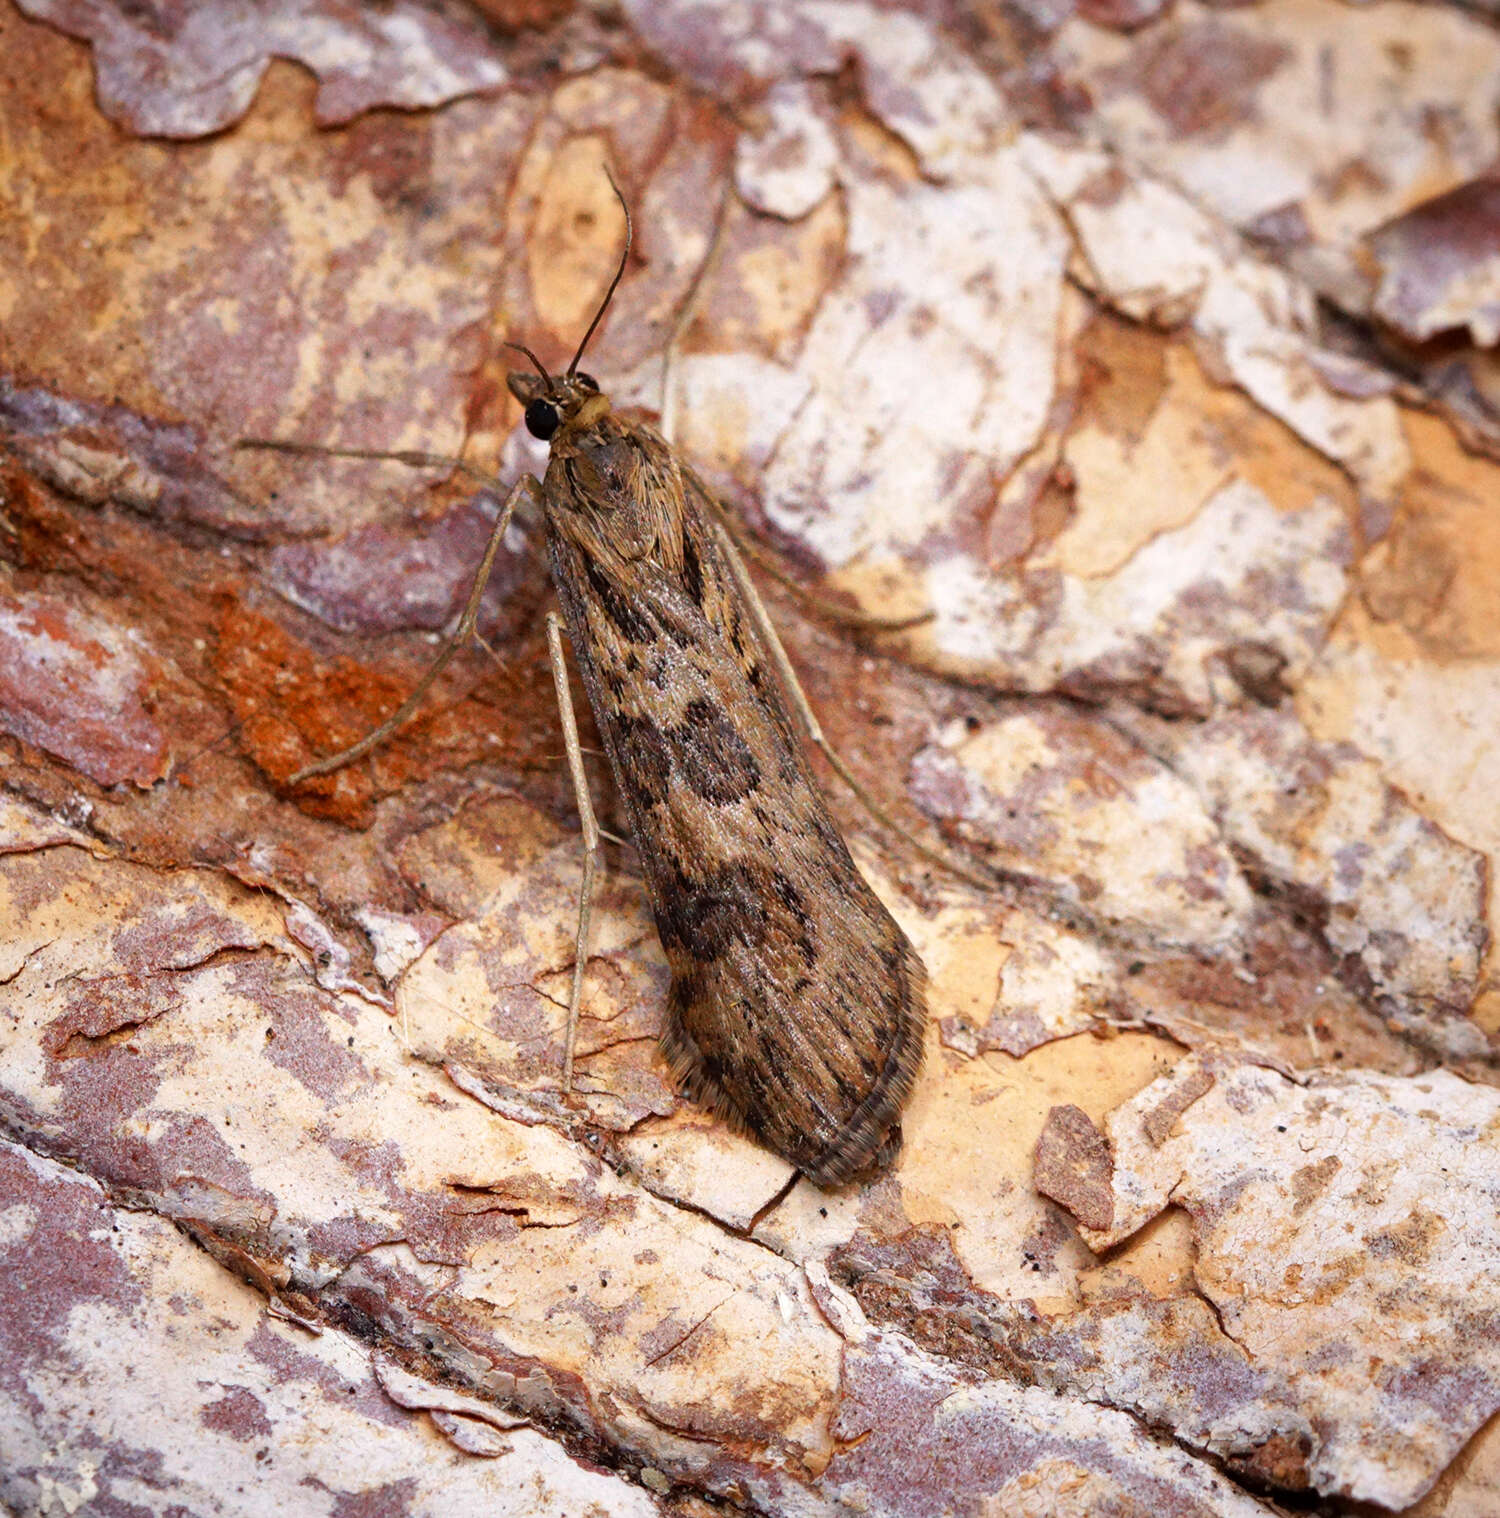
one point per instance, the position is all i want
(813, 728)
(590, 832)
(821, 605)
(413, 458)
(524, 488)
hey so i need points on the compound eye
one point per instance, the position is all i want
(588, 382)
(542, 418)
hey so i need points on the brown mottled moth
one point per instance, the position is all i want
(797, 1006)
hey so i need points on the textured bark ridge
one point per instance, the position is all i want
(1144, 354)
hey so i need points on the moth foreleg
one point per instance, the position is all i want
(590, 828)
(413, 458)
(526, 488)
(771, 641)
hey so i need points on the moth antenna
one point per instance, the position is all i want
(522, 348)
(615, 282)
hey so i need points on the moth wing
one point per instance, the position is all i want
(797, 1008)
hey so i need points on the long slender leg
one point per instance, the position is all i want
(412, 457)
(821, 605)
(813, 728)
(526, 488)
(590, 833)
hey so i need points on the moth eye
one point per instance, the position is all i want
(588, 382)
(542, 418)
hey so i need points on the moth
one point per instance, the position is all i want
(797, 1005)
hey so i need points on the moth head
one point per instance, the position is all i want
(553, 399)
